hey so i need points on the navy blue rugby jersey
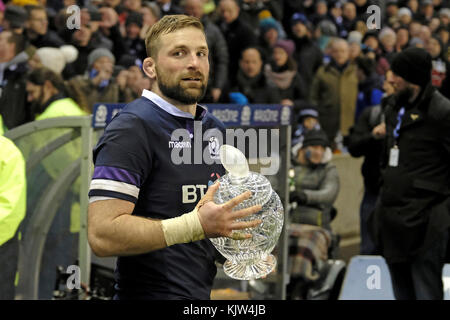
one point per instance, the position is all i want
(134, 161)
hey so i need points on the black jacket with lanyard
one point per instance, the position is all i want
(414, 205)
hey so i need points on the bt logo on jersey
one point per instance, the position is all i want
(194, 192)
(191, 192)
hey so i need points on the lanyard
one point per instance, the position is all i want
(400, 115)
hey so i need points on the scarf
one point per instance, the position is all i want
(282, 79)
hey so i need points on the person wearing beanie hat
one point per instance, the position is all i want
(14, 17)
(282, 71)
(98, 83)
(54, 59)
(269, 35)
(266, 21)
(267, 24)
(315, 138)
(315, 181)
(134, 44)
(100, 53)
(307, 119)
(264, 14)
(287, 45)
(410, 224)
(299, 18)
(413, 65)
(314, 187)
(444, 16)
(308, 55)
(23, 3)
(308, 111)
(404, 15)
(134, 18)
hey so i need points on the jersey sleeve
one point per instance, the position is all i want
(122, 159)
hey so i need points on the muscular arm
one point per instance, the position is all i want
(113, 231)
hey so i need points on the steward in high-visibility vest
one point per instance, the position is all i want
(12, 211)
(60, 100)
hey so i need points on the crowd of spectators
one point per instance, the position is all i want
(332, 54)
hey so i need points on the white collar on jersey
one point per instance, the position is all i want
(166, 106)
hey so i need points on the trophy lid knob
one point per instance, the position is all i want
(234, 161)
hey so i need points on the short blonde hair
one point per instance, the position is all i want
(166, 25)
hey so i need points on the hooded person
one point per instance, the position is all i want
(410, 224)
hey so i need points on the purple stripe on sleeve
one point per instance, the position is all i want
(117, 174)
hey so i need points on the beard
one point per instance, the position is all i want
(404, 96)
(37, 105)
(174, 89)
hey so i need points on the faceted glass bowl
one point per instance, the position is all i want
(250, 258)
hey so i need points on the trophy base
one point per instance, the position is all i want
(250, 271)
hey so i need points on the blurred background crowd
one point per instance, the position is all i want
(322, 55)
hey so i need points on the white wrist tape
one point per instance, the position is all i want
(183, 229)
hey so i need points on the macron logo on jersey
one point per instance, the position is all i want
(180, 145)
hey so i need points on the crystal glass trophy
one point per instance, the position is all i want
(250, 258)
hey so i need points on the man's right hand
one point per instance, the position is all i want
(379, 132)
(219, 220)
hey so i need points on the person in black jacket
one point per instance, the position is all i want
(37, 31)
(282, 70)
(218, 51)
(251, 80)
(237, 34)
(412, 218)
(307, 54)
(366, 140)
(13, 68)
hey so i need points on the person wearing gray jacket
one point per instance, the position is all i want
(316, 181)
